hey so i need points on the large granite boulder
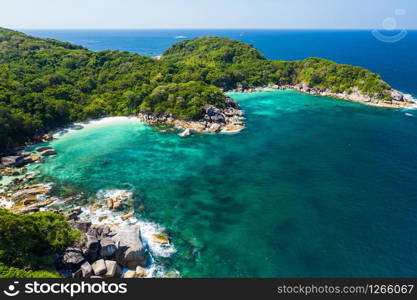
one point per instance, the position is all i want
(397, 96)
(13, 161)
(185, 133)
(86, 270)
(409, 98)
(99, 267)
(232, 103)
(92, 247)
(140, 272)
(209, 110)
(131, 252)
(218, 119)
(80, 225)
(108, 247)
(113, 269)
(48, 152)
(41, 149)
(34, 207)
(31, 192)
(73, 258)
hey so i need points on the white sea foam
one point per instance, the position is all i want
(103, 215)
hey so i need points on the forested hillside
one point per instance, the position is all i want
(46, 83)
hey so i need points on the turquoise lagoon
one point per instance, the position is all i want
(313, 187)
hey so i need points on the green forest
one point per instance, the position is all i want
(46, 83)
(29, 243)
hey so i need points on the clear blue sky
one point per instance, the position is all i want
(340, 14)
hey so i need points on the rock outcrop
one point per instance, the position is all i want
(104, 252)
(131, 252)
(31, 193)
(396, 100)
(17, 161)
(46, 151)
(228, 119)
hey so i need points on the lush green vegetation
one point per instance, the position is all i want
(29, 243)
(11, 272)
(227, 64)
(45, 83)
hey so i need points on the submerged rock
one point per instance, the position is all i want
(15, 161)
(114, 202)
(35, 207)
(232, 128)
(41, 149)
(129, 274)
(185, 133)
(31, 192)
(48, 152)
(160, 238)
(9, 172)
(127, 216)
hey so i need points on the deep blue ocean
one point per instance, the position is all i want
(313, 187)
(396, 62)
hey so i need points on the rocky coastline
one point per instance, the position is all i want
(114, 243)
(224, 120)
(398, 99)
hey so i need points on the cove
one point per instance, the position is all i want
(313, 187)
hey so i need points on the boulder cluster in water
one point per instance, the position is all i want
(104, 251)
(14, 165)
(226, 120)
(111, 245)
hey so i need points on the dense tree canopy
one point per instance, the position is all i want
(46, 83)
(29, 243)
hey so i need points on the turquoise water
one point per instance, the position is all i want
(313, 187)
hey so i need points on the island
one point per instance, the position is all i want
(47, 84)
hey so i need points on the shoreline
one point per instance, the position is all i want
(111, 210)
(99, 215)
(407, 100)
(150, 243)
